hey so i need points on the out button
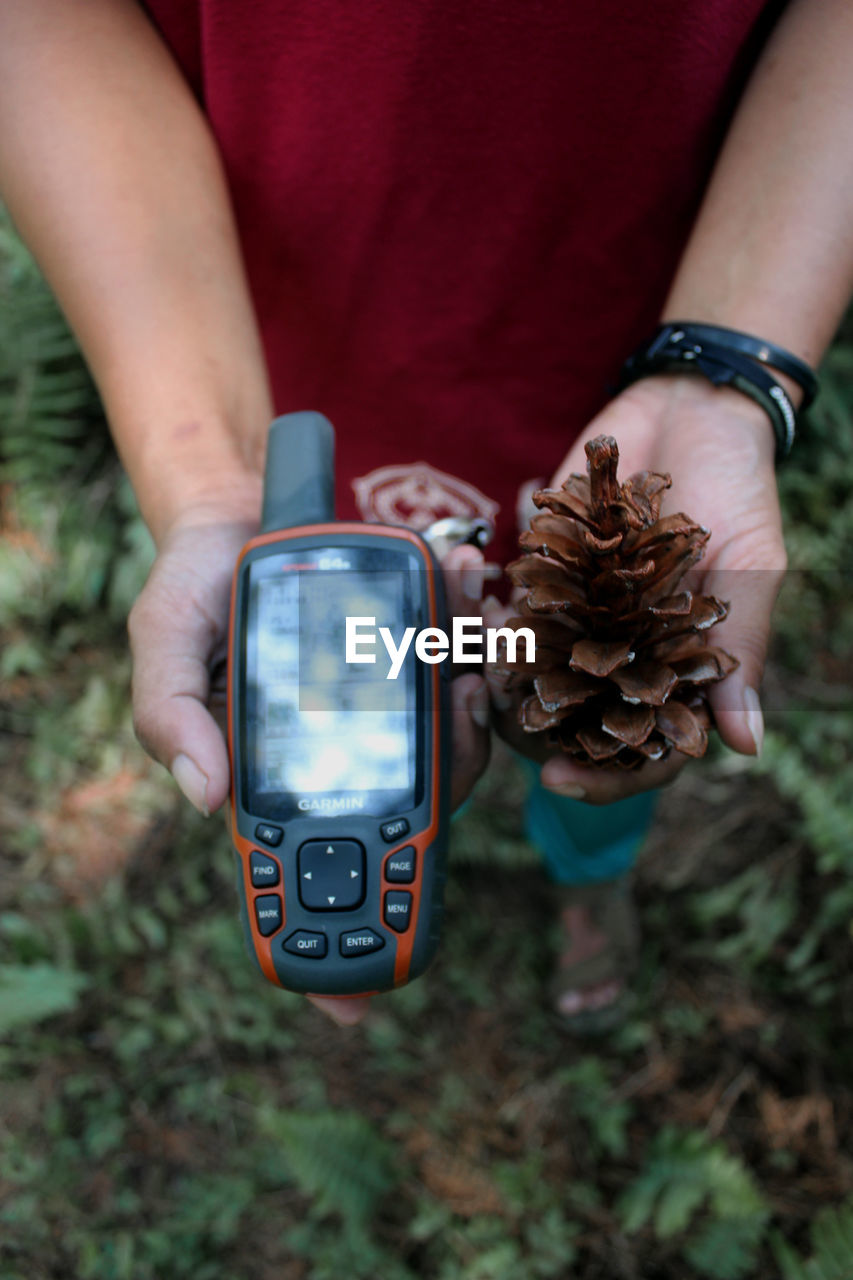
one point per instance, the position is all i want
(392, 831)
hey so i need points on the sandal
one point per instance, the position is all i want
(591, 996)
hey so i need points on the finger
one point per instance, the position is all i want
(603, 786)
(172, 642)
(495, 616)
(346, 1011)
(470, 706)
(464, 569)
(751, 595)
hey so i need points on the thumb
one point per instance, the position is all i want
(173, 641)
(751, 595)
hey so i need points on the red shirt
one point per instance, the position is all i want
(458, 219)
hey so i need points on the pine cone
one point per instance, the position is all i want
(622, 656)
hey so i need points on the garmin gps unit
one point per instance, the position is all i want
(339, 773)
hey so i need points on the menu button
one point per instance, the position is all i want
(398, 911)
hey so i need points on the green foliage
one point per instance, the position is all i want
(51, 426)
(815, 485)
(338, 1160)
(832, 1248)
(589, 1095)
(685, 1172)
(167, 1114)
(30, 993)
(71, 498)
(761, 907)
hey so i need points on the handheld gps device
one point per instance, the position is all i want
(339, 772)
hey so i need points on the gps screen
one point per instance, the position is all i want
(325, 735)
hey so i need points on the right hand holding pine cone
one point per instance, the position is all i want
(633, 665)
(622, 654)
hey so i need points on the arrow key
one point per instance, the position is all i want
(331, 875)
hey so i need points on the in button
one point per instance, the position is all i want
(268, 834)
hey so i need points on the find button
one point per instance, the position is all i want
(303, 943)
(264, 870)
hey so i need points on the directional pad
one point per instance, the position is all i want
(331, 875)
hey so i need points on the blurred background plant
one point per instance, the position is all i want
(166, 1114)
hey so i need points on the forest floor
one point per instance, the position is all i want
(152, 1104)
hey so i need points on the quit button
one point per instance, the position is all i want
(303, 943)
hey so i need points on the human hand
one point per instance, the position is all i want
(718, 448)
(178, 631)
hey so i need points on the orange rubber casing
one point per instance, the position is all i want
(403, 954)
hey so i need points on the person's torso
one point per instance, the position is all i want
(458, 219)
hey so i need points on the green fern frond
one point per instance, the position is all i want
(726, 1248)
(51, 422)
(336, 1158)
(832, 1246)
(686, 1171)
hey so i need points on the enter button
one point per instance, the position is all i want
(398, 911)
(360, 942)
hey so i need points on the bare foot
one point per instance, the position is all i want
(585, 940)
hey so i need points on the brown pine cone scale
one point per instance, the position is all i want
(623, 662)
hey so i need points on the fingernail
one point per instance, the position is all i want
(570, 790)
(490, 603)
(192, 782)
(754, 718)
(472, 581)
(478, 705)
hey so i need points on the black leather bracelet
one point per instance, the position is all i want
(757, 349)
(677, 348)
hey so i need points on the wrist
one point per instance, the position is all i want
(733, 359)
(796, 377)
(690, 408)
(201, 479)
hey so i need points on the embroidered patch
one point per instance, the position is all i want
(416, 495)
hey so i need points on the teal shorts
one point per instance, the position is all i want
(584, 843)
